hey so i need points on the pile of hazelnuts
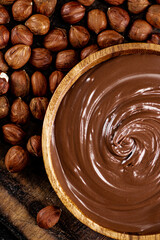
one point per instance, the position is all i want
(59, 49)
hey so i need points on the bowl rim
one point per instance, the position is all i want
(73, 75)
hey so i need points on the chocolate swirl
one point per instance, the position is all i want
(106, 144)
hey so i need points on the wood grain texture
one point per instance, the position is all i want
(65, 85)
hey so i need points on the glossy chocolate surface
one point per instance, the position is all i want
(106, 144)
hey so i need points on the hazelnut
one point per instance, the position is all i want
(140, 30)
(6, 2)
(56, 40)
(19, 112)
(115, 2)
(4, 36)
(34, 146)
(89, 50)
(20, 34)
(18, 55)
(4, 15)
(22, 9)
(78, 36)
(38, 107)
(4, 107)
(16, 159)
(39, 84)
(109, 38)
(4, 83)
(45, 7)
(153, 16)
(20, 83)
(66, 59)
(97, 20)
(86, 2)
(54, 79)
(48, 217)
(38, 24)
(41, 58)
(118, 18)
(72, 12)
(155, 38)
(137, 6)
(3, 65)
(13, 134)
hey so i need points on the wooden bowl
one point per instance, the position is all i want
(65, 85)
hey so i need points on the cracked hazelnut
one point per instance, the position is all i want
(41, 58)
(115, 2)
(97, 20)
(56, 40)
(54, 79)
(4, 83)
(78, 36)
(20, 34)
(4, 36)
(109, 38)
(38, 24)
(18, 55)
(6, 2)
(3, 64)
(118, 18)
(153, 16)
(22, 9)
(155, 38)
(4, 15)
(45, 7)
(72, 12)
(16, 159)
(39, 84)
(20, 83)
(38, 107)
(86, 2)
(34, 146)
(48, 217)
(140, 30)
(19, 112)
(13, 134)
(4, 107)
(89, 50)
(66, 59)
(137, 6)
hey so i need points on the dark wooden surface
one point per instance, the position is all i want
(23, 195)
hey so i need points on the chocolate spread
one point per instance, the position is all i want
(106, 144)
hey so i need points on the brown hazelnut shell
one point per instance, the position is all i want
(13, 134)
(54, 79)
(16, 159)
(34, 146)
(4, 107)
(39, 84)
(20, 83)
(22, 9)
(56, 40)
(78, 36)
(72, 12)
(20, 34)
(48, 217)
(4, 15)
(19, 112)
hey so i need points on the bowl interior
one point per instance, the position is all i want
(65, 85)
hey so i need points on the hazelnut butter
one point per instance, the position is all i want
(106, 144)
